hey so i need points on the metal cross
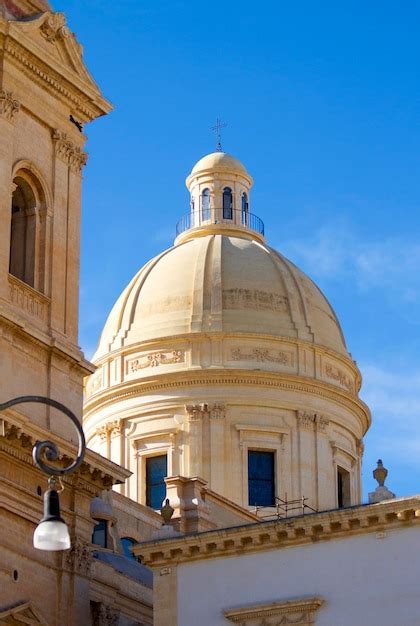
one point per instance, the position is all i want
(217, 128)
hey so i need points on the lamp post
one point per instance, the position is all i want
(52, 532)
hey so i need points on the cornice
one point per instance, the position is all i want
(42, 66)
(235, 377)
(268, 535)
(18, 436)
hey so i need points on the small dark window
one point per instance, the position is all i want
(261, 478)
(127, 543)
(205, 205)
(156, 472)
(245, 209)
(100, 534)
(343, 488)
(227, 203)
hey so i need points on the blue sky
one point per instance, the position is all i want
(322, 102)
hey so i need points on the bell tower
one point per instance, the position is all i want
(47, 96)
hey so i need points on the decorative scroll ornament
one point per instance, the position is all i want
(336, 374)
(157, 358)
(262, 356)
(79, 558)
(55, 28)
(9, 106)
(68, 151)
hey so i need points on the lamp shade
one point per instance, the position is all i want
(52, 532)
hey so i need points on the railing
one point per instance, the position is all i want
(285, 507)
(207, 216)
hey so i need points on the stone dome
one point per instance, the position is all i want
(219, 161)
(223, 284)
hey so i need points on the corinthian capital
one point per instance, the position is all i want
(9, 106)
(68, 151)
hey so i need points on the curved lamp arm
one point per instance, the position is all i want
(48, 448)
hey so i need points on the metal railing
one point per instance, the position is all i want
(285, 507)
(211, 215)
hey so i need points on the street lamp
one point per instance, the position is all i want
(52, 532)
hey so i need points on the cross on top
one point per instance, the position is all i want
(217, 128)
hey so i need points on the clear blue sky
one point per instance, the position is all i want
(322, 102)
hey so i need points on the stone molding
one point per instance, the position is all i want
(9, 106)
(300, 612)
(268, 535)
(69, 152)
(317, 388)
(312, 421)
(114, 427)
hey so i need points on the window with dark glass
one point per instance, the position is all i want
(127, 543)
(245, 209)
(343, 488)
(100, 534)
(261, 490)
(227, 203)
(205, 205)
(156, 472)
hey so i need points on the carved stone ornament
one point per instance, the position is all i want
(79, 558)
(157, 358)
(218, 411)
(299, 612)
(54, 27)
(262, 356)
(112, 428)
(197, 411)
(9, 106)
(312, 421)
(336, 374)
(104, 615)
(68, 152)
(254, 299)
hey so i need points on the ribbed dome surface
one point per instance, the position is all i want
(220, 283)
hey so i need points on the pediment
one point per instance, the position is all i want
(21, 614)
(55, 44)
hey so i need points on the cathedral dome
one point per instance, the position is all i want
(223, 284)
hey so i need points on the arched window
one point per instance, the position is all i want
(245, 209)
(23, 232)
(227, 203)
(28, 230)
(128, 543)
(205, 205)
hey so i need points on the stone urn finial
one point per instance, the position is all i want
(167, 511)
(381, 492)
(380, 473)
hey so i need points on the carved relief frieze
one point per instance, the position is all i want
(79, 558)
(155, 359)
(54, 27)
(299, 612)
(94, 384)
(254, 299)
(69, 152)
(263, 356)
(9, 106)
(334, 373)
(312, 421)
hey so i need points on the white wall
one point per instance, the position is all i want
(365, 581)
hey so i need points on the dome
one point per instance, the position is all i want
(224, 284)
(219, 161)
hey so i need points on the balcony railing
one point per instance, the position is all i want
(207, 216)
